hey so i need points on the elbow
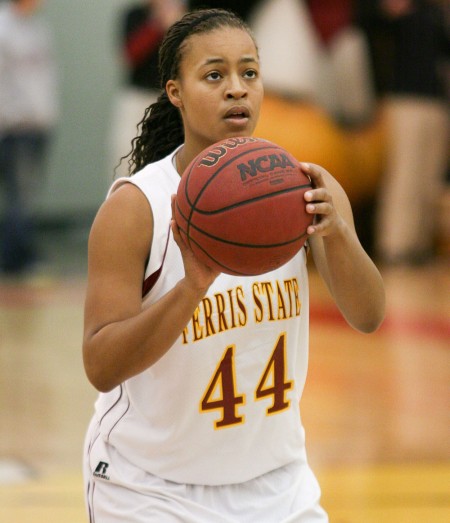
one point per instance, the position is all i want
(98, 380)
(101, 385)
(368, 326)
(371, 321)
(96, 373)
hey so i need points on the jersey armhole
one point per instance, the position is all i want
(151, 280)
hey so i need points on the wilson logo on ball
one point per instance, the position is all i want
(215, 154)
(264, 164)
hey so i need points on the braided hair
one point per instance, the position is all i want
(161, 128)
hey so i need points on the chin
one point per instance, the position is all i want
(232, 133)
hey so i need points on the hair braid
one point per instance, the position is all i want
(161, 132)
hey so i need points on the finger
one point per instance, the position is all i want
(317, 195)
(173, 198)
(318, 227)
(321, 208)
(174, 225)
(314, 172)
(176, 233)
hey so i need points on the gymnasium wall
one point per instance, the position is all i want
(80, 165)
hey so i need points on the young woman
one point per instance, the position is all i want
(201, 373)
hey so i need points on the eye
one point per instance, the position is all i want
(251, 73)
(214, 76)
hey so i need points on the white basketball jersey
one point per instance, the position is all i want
(222, 405)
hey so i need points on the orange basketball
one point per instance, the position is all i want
(240, 206)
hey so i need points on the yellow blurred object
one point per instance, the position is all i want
(354, 157)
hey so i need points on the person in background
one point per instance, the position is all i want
(325, 59)
(142, 28)
(242, 8)
(410, 45)
(346, 87)
(28, 115)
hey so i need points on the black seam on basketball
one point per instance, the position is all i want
(230, 270)
(238, 244)
(220, 264)
(180, 211)
(254, 199)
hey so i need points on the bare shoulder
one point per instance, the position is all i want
(124, 219)
(119, 242)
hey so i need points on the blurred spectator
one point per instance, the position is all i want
(346, 87)
(243, 8)
(311, 50)
(142, 28)
(409, 41)
(28, 113)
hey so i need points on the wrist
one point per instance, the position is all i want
(340, 232)
(192, 290)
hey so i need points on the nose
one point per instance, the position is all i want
(236, 88)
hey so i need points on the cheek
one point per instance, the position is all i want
(202, 107)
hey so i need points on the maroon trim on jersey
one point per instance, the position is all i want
(150, 282)
(119, 418)
(90, 500)
(112, 406)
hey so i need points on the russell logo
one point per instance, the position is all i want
(100, 471)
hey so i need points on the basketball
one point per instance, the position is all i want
(240, 206)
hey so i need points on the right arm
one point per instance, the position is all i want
(121, 339)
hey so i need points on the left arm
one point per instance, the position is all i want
(349, 273)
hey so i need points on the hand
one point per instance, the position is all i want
(197, 274)
(320, 202)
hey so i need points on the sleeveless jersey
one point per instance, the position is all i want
(222, 405)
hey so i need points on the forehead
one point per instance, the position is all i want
(225, 43)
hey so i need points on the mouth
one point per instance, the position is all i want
(237, 114)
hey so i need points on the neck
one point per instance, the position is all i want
(180, 161)
(187, 153)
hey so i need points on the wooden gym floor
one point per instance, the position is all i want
(376, 407)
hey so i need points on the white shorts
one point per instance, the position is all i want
(119, 492)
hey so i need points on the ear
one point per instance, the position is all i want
(173, 93)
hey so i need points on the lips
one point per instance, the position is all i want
(238, 112)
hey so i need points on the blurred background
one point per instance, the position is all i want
(347, 86)
(88, 56)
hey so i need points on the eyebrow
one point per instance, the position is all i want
(244, 60)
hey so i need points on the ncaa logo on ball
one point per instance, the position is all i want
(272, 163)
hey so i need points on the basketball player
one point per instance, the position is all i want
(201, 373)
